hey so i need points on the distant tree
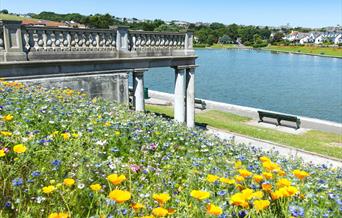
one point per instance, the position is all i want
(4, 11)
(225, 40)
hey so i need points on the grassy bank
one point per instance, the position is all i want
(311, 50)
(313, 141)
(13, 17)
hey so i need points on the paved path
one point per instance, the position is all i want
(290, 152)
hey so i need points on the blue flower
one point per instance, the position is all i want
(221, 193)
(8, 204)
(35, 173)
(56, 163)
(17, 182)
(296, 211)
(242, 213)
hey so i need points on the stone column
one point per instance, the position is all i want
(138, 89)
(179, 98)
(13, 43)
(122, 43)
(190, 97)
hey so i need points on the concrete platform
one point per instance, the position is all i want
(286, 127)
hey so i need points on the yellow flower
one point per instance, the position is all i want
(276, 195)
(258, 195)
(8, 117)
(75, 135)
(120, 196)
(227, 181)
(212, 178)
(2, 153)
(266, 186)
(267, 175)
(106, 124)
(115, 179)
(20, 148)
(161, 198)
(288, 191)
(48, 189)
(238, 199)
(261, 204)
(117, 133)
(95, 187)
(69, 182)
(65, 135)
(6, 133)
(200, 195)
(281, 173)
(238, 164)
(244, 173)
(258, 178)
(137, 206)
(247, 193)
(270, 166)
(265, 159)
(160, 212)
(58, 215)
(239, 179)
(214, 210)
(283, 183)
(300, 174)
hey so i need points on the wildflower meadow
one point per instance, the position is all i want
(63, 154)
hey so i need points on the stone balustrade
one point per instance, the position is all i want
(67, 39)
(28, 43)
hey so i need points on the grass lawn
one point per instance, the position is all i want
(13, 17)
(223, 46)
(314, 141)
(335, 52)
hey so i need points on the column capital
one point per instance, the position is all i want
(184, 67)
(139, 71)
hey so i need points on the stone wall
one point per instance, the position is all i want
(112, 87)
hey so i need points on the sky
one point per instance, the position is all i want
(305, 13)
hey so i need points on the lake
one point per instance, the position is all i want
(297, 84)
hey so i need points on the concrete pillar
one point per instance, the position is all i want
(179, 98)
(138, 89)
(13, 43)
(190, 97)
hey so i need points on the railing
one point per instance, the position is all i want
(25, 43)
(142, 39)
(66, 39)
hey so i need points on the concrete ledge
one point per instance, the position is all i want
(306, 122)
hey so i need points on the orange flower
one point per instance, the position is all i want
(214, 210)
(160, 212)
(115, 179)
(283, 183)
(239, 179)
(137, 206)
(200, 195)
(265, 159)
(244, 173)
(258, 178)
(58, 215)
(267, 175)
(120, 196)
(300, 174)
(266, 186)
(69, 182)
(161, 198)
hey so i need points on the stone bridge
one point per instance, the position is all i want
(99, 61)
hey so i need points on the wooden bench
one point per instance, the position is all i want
(279, 117)
(200, 104)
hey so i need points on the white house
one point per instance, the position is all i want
(338, 39)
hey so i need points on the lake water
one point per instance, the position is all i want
(297, 84)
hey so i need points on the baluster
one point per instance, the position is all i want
(67, 42)
(26, 40)
(113, 41)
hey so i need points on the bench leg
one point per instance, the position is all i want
(278, 121)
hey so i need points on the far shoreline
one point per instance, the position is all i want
(269, 49)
